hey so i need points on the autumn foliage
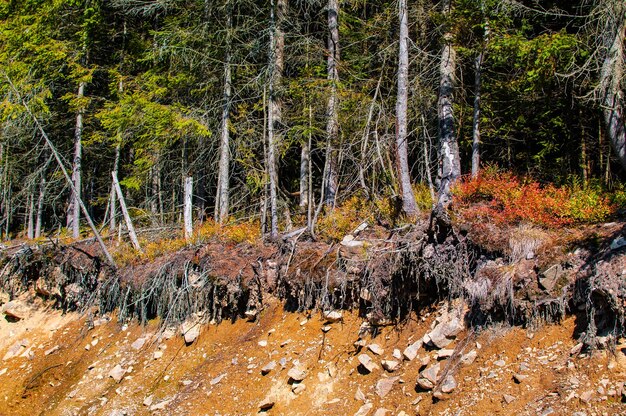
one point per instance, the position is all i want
(504, 198)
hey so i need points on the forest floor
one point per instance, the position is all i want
(285, 362)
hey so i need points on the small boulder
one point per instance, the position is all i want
(16, 310)
(384, 386)
(367, 363)
(508, 398)
(138, 344)
(266, 404)
(117, 373)
(332, 316)
(390, 365)
(410, 352)
(297, 374)
(448, 385)
(469, 358)
(376, 349)
(268, 367)
(190, 330)
(364, 410)
(298, 388)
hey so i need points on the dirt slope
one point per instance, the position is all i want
(220, 372)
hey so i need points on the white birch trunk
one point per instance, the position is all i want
(127, 219)
(188, 208)
(409, 206)
(73, 217)
(450, 166)
(332, 124)
(223, 185)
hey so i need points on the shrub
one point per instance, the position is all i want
(506, 199)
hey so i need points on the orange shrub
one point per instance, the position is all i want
(504, 198)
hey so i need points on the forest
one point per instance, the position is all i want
(275, 113)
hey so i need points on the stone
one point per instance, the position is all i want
(217, 379)
(190, 330)
(364, 410)
(586, 396)
(266, 404)
(425, 384)
(251, 314)
(268, 367)
(576, 349)
(186, 382)
(443, 334)
(519, 378)
(499, 363)
(16, 310)
(117, 373)
(384, 386)
(448, 385)
(376, 349)
(469, 358)
(138, 344)
(410, 352)
(326, 328)
(157, 354)
(148, 401)
(333, 316)
(52, 350)
(262, 343)
(296, 374)
(431, 373)
(618, 243)
(298, 388)
(549, 278)
(367, 362)
(397, 354)
(381, 412)
(3, 371)
(390, 365)
(160, 405)
(445, 353)
(359, 395)
(508, 398)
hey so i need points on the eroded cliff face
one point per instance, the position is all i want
(414, 321)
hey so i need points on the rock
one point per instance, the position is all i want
(52, 350)
(549, 278)
(298, 388)
(359, 395)
(333, 316)
(262, 343)
(268, 367)
(266, 404)
(618, 243)
(519, 378)
(508, 398)
(138, 344)
(296, 374)
(431, 373)
(364, 410)
(376, 349)
(217, 379)
(425, 384)
(443, 334)
(381, 412)
(326, 328)
(397, 354)
(158, 354)
(117, 373)
(390, 365)
(160, 405)
(186, 382)
(445, 353)
(367, 362)
(410, 352)
(190, 330)
(148, 400)
(384, 386)
(576, 349)
(469, 358)
(547, 411)
(499, 363)
(352, 243)
(3, 371)
(16, 310)
(251, 314)
(448, 385)
(586, 396)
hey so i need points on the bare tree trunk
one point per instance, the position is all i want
(113, 199)
(223, 186)
(427, 147)
(304, 172)
(30, 232)
(332, 124)
(73, 217)
(611, 76)
(127, 219)
(188, 208)
(40, 201)
(448, 146)
(478, 66)
(274, 133)
(409, 206)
